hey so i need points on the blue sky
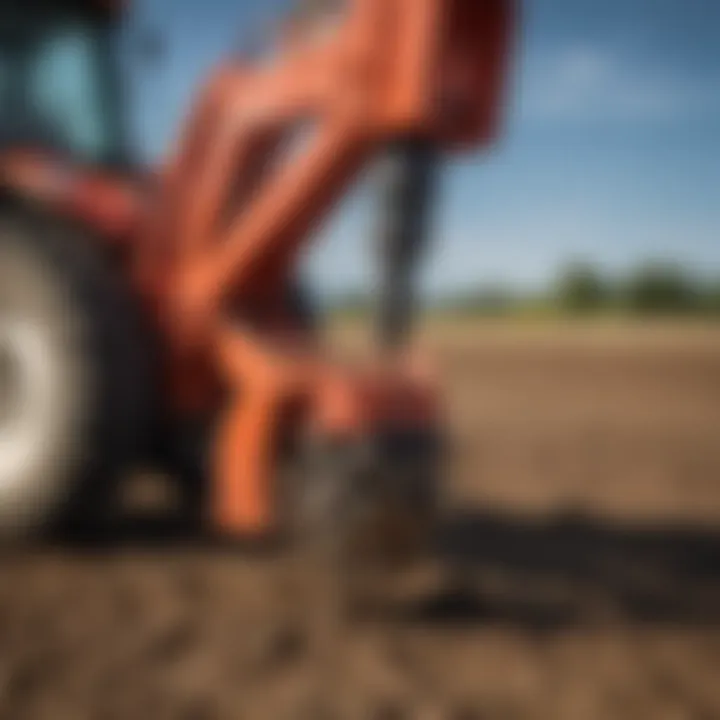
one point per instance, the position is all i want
(611, 150)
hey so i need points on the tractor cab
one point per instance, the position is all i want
(60, 81)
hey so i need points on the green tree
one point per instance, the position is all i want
(581, 289)
(662, 288)
(712, 299)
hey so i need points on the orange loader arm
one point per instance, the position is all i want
(370, 72)
(266, 153)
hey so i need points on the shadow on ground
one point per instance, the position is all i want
(574, 570)
(535, 574)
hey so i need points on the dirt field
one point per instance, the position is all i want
(586, 522)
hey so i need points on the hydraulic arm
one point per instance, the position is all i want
(266, 153)
(406, 191)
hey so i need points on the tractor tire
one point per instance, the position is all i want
(74, 379)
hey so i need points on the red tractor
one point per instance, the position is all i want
(153, 318)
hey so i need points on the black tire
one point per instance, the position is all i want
(92, 381)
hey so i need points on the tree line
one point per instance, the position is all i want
(582, 289)
(654, 288)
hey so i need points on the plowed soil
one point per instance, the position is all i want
(585, 527)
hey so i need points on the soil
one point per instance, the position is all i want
(582, 542)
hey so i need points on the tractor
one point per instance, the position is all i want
(153, 317)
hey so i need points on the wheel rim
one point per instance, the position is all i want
(26, 392)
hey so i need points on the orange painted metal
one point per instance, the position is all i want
(266, 152)
(112, 206)
(339, 400)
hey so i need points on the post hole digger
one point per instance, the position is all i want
(135, 305)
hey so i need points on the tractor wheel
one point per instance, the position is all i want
(73, 379)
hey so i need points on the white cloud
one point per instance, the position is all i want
(584, 83)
